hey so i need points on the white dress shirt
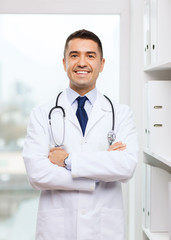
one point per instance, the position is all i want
(72, 98)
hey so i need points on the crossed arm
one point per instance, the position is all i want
(58, 155)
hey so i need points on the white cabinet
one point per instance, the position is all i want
(156, 212)
(156, 203)
(163, 31)
(157, 34)
(158, 118)
(170, 210)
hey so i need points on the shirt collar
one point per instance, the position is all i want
(72, 95)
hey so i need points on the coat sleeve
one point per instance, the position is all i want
(42, 174)
(114, 165)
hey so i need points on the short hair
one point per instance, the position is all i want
(84, 34)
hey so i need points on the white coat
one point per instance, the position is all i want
(85, 203)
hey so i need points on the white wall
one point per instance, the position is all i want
(136, 102)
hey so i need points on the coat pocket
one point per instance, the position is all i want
(112, 224)
(50, 225)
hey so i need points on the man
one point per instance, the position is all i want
(80, 182)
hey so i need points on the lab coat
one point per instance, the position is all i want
(86, 202)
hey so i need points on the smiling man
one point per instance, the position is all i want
(80, 182)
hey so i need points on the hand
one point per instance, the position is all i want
(57, 156)
(118, 146)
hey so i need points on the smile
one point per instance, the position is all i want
(82, 72)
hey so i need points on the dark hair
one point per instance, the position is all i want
(84, 34)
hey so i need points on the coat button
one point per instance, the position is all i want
(83, 141)
(83, 212)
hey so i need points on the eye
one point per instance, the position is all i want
(90, 56)
(74, 55)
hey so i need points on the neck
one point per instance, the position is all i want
(81, 92)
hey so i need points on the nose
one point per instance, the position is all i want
(82, 61)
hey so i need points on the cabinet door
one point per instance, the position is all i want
(144, 200)
(159, 111)
(158, 199)
(153, 30)
(146, 118)
(163, 30)
(148, 197)
(146, 32)
(157, 31)
(169, 210)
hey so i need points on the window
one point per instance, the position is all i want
(31, 72)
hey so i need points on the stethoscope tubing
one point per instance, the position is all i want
(113, 114)
(63, 113)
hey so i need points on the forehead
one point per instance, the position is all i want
(82, 45)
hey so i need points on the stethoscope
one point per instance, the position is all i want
(111, 136)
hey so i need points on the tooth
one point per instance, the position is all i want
(82, 72)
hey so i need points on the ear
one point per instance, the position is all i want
(102, 64)
(64, 64)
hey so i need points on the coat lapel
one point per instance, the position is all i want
(98, 112)
(70, 115)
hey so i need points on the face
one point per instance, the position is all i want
(83, 64)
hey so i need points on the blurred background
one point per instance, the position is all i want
(31, 72)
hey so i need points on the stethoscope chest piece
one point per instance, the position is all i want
(111, 136)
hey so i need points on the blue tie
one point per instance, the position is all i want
(81, 113)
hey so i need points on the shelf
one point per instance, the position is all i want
(155, 236)
(157, 67)
(157, 160)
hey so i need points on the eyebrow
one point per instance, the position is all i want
(89, 52)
